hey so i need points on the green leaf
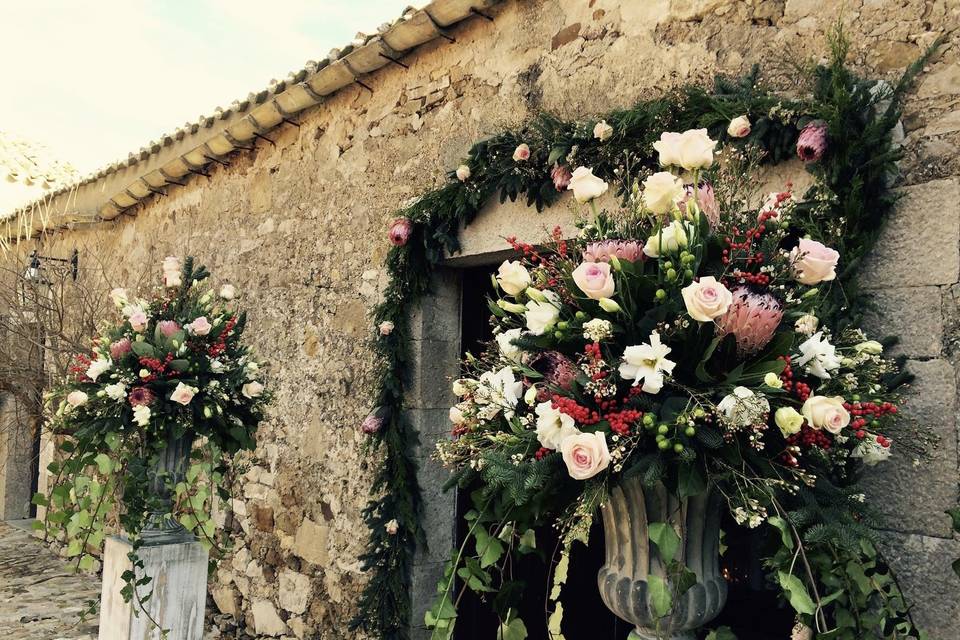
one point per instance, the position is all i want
(40, 500)
(659, 594)
(180, 365)
(104, 463)
(955, 517)
(691, 480)
(143, 349)
(796, 593)
(489, 549)
(785, 535)
(113, 440)
(666, 539)
(528, 541)
(513, 630)
(721, 633)
(86, 562)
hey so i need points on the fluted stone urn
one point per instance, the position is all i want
(631, 558)
(170, 468)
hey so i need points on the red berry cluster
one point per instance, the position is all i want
(220, 345)
(761, 279)
(569, 406)
(800, 389)
(809, 437)
(561, 243)
(156, 366)
(79, 370)
(458, 431)
(749, 236)
(524, 248)
(863, 412)
(542, 453)
(621, 421)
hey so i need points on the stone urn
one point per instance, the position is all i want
(631, 558)
(169, 469)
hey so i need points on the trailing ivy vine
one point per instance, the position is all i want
(853, 179)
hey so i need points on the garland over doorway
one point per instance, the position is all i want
(841, 128)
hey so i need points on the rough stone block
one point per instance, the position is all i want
(266, 621)
(913, 314)
(294, 591)
(434, 366)
(922, 566)
(920, 243)
(912, 497)
(310, 542)
(439, 511)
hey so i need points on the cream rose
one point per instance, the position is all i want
(463, 173)
(671, 239)
(183, 394)
(521, 153)
(602, 131)
(739, 127)
(826, 413)
(706, 299)
(252, 390)
(595, 279)
(585, 454)
(788, 420)
(553, 426)
(77, 399)
(661, 191)
(141, 415)
(692, 149)
(585, 185)
(541, 316)
(513, 277)
(813, 262)
(228, 292)
(200, 327)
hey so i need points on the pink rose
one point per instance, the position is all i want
(168, 328)
(120, 348)
(138, 321)
(585, 454)
(822, 412)
(521, 153)
(400, 231)
(385, 328)
(183, 394)
(739, 127)
(200, 327)
(813, 262)
(594, 279)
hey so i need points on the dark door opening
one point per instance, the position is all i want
(753, 610)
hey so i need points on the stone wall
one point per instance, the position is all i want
(300, 229)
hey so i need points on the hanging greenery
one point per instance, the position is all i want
(841, 128)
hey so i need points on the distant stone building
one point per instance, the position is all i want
(288, 194)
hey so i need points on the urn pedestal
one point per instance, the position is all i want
(631, 558)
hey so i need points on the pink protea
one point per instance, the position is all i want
(168, 328)
(400, 231)
(120, 348)
(812, 141)
(561, 177)
(752, 318)
(557, 369)
(140, 396)
(706, 201)
(629, 250)
(371, 424)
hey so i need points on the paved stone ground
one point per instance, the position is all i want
(40, 596)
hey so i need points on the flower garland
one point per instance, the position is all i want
(842, 130)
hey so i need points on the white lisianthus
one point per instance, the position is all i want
(662, 191)
(530, 396)
(772, 380)
(542, 316)
(216, 366)
(456, 415)
(597, 330)
(706, 299)
(692, 149)
(671, 239)
(116, 391)
(871, 347)
(463, 386)
(252, 390)
(553, 425)
(585, 185)
(119, 297)
(499, 390)
(505, 343)
(788, 420)
(806, 324)
(141, 415)
(228, 292)
(823, 412)
(602, 131)
(97, 368)
(511, 307)
(819, 356)
(743, 407)
(463, 173)
(513, 277)
(77, 399)
(647, 363)
(739, 127)
(871, 451)
(609, 305)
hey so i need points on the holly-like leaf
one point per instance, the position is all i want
(721, 633)
(796, 593)
(659, 594)
(512, 630)
(785, 535)
(666, 539)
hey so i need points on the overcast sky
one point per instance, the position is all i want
(95, 79)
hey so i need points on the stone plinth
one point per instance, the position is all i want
(179, 585)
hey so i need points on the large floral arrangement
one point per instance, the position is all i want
(679, 339)
(174, 367)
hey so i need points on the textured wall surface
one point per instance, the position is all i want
(300, 229)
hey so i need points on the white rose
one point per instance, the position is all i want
(228, 292)
(505, 343)
(541, 316)
(788, 420)
(97, 368)
(183, 394)
(117, 391)
(141, 415)
(585, 185)
(553, 426)
(739, 127)
(463, 173)
(252, 390)
(826, 413)
(77, 399)
(462, 386)
(669, 149)
(706, 299)
(513, 277)
(585, 454)
(662, 191)
(692, 149)
(602, 131)
(671, 239)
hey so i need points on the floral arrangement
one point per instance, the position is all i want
(173, 368)
(839, 124)
(679, 339)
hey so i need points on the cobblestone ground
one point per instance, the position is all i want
(40, 596)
